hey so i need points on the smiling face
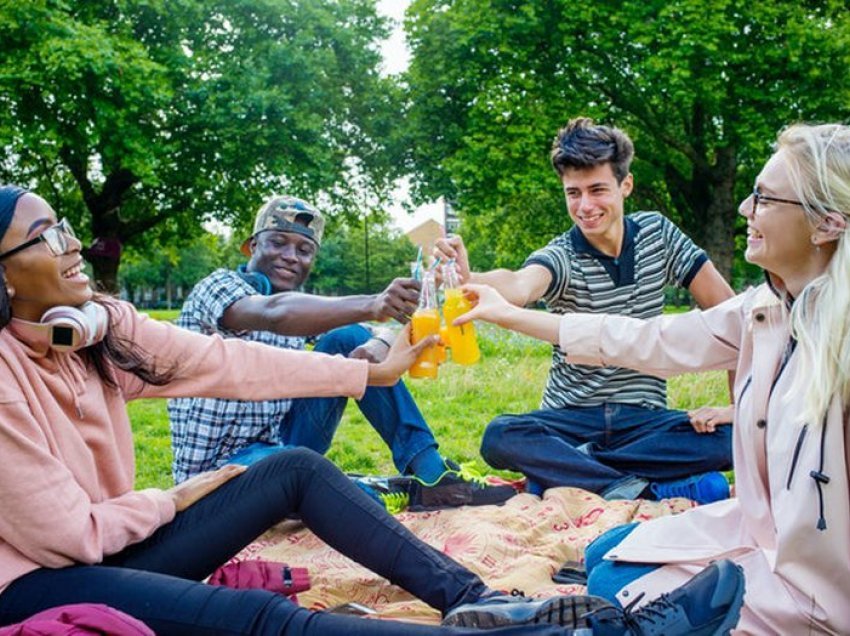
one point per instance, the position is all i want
(36, 279)
(779, 234)
(595, 203)
(284, 257)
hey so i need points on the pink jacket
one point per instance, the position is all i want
(797, 575)
(66, 447)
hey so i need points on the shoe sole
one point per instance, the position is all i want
(566, 611)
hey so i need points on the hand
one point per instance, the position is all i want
(196, 488)
(400, 358)
(373, 350)
(487, 304)
(707, 418)
(453, 248)
(399, 300)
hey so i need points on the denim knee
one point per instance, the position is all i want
(496, 449)
(342, 340)
(606, 541)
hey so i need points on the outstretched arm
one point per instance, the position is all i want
(519, 288)
(297, 314)
(490, 306)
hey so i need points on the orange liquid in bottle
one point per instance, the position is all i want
(442, 345)
(462, 339)
(424, 323)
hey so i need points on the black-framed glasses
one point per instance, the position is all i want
(55, 238)
(758, 197)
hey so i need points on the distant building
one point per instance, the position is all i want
(425, 235)
(451, 221)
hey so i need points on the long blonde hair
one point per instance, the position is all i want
(819, 171)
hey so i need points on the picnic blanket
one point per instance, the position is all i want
(518, 545)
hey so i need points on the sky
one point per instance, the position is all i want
(396, 58)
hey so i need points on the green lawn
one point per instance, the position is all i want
(457, 405)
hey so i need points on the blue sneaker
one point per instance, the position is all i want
(707, 605)
(703, 488)
(515, 609)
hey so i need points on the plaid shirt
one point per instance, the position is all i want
(206, 431)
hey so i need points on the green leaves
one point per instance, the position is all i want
(703, 86)
(141, 114)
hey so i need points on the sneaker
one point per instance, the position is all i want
(703, 488)
(707, 605)
(516, 609)
(460, 485)
(391, 492)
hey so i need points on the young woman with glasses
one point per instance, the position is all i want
(789, 342)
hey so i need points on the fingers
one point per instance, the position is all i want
(447, 248)
(400, 299)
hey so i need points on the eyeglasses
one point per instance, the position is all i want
(758, 197)
(55, 238)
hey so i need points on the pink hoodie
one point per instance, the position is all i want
(66, 447)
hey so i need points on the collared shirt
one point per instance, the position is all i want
(655, 253)
(206, 431)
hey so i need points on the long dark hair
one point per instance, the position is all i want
(113, 350)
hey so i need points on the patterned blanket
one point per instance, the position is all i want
(515, 546)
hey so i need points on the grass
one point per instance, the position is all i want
(458, 405)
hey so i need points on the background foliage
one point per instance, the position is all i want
(139, 118)
(702, 86)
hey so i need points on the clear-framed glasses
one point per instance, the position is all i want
(758, 197)
(55, 238)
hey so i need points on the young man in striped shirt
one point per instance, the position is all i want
(607, 430)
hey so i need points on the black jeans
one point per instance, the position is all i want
(157, 580)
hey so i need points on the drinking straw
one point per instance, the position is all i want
(417, 272)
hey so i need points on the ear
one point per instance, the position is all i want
(627, 185)
(831, 228)
(10, 291)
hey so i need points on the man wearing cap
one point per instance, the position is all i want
(262, 301)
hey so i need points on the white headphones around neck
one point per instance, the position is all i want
(72, 328)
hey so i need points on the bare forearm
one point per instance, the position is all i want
(532, 322)
(507, 283)
(295, 314)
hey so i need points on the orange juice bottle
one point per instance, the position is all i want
(462, 339)
(443, 344)
(426, 322)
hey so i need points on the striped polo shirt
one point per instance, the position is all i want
(655, 253)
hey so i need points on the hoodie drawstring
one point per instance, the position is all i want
(820, 477)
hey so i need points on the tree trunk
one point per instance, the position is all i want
(711, 199)
(105, 273)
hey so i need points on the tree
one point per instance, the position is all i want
(702, 86)
(342, 266)
(140, 118)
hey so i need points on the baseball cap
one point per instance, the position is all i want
(287, 214)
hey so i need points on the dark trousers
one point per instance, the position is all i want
(391, 410)
(597, 447)
(156, 580)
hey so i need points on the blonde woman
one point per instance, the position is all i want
(789, 342)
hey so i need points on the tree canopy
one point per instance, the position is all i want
(141, 118)
(702, 86)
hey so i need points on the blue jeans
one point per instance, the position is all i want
(158, 580)
(606, 578)
(312, 422)
(598, 448)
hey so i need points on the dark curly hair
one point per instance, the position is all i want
(582, 144)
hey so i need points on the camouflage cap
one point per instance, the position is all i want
(287, 214)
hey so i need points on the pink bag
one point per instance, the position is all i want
(264, 575)
(82, 619)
